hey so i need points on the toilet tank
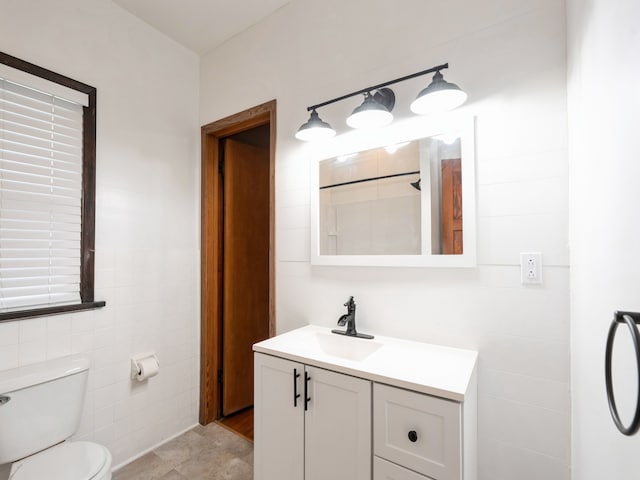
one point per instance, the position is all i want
(42, 405)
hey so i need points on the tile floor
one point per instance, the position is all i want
(210, 452)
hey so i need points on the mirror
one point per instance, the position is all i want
(407, 202)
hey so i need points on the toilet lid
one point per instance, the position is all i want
(67, 461)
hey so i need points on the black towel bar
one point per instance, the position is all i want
(630, 319)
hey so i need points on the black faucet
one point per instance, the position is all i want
(349, 319)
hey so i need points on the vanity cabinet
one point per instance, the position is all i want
(310, 423)
(330, 407)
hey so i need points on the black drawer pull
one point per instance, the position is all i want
(307, 398)
(413, 436)
(296, 395)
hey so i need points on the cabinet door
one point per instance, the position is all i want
(278, 423)
(337, 427)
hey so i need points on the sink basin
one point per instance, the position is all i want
(355, 349)
(444, 371)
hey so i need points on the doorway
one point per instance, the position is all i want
(238, 274)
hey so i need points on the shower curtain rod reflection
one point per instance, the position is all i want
(370, 179)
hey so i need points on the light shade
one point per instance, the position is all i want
(375, 111)
(439, 96)
(315, 129)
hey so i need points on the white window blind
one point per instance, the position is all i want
(40, 198)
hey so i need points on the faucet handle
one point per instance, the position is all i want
(350, 303)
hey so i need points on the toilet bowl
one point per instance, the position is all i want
(40, 408)
(66, 461)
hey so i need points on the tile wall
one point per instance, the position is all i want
(510, 58)
(147, 222)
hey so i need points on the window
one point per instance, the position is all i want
(47, 191)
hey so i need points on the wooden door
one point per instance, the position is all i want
(214, 136)
(451, 206)
(245, 310)
(279, 419)
(337, 427)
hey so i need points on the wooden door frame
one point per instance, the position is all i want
(212, 136)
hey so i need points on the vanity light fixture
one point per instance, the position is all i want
(375, 111)
(315, 129)
(439, 96)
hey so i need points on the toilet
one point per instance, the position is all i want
(40, 409)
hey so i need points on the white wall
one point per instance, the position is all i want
(510, 58)
(603, 79)
(146, 220)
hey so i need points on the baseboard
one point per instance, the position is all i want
(150, 449)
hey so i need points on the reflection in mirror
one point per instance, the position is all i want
(445, 185)
(375, 202)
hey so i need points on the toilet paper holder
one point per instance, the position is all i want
(136, 370)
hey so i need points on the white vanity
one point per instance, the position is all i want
(329, 407)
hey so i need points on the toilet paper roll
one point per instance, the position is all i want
(148, 367)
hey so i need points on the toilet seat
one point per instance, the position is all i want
(66, 461)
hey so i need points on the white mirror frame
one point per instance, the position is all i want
(411, 129)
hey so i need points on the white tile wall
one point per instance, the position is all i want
(146, 220)
(510, 58)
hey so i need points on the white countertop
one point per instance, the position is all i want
(423, 367)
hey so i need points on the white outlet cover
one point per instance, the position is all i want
(531, 268)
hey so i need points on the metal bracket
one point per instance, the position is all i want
(619, 316)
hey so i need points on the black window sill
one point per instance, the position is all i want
(54, 310)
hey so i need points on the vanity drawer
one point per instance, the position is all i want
(418, 431)
(383, 470)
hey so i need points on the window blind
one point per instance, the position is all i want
(40, 198)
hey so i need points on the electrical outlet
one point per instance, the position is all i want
(531, 268)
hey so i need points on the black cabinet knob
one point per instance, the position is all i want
(413, 436)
